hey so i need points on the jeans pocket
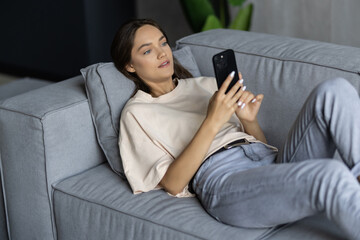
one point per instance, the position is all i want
(257, 151)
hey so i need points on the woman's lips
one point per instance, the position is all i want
(164, 64)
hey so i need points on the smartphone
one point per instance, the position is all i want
(224, 63)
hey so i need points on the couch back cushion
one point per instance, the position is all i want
(108, 90)
(284, 69)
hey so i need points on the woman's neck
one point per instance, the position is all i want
(163, 88)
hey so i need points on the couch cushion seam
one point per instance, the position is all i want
(6, 213)
(46, 113)
(126, 213)
(63, 108)
(18, 112)
(47, 181)
(275, 58)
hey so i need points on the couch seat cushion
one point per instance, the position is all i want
(98, 204)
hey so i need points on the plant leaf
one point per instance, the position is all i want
(242, 20)
(237, 2)
(212, 22)
(196, 12)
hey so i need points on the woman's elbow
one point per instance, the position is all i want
(171, 188)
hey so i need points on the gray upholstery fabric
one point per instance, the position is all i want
(3, 221)
(19, 86)
(102, 206)
(108, 90)
(6, 91)
(187, 60)
(312, 228)
(46, 135)
(47, 138)
(284, 69)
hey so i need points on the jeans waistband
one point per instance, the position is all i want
(226, 147)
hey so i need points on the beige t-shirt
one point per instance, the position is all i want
(155, 131)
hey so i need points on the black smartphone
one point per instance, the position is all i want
(224, 63)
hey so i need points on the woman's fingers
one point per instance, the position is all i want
(226, 83)
(238, 94)
(245, 98)
(240, 75)
(249, 98)
(258, 98)
(235, 92)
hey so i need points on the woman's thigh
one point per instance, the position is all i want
(274, 194)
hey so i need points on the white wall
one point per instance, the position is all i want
(336, 21)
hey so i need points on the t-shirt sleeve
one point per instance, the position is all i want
(213, 84)
(144, 160)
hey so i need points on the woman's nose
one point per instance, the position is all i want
(161, 53)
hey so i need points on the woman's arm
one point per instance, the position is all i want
(185, 166)
(221, 107)
(254, 129)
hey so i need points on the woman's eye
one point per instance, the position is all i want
(147, 52)
(164, 44)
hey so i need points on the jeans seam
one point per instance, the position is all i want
(302, 139)
(246, 190)
(252, 188)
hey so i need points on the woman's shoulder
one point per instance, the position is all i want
(131, 106)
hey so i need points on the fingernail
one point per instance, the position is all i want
(232, 74)
(243, 105)
(239, 103)
(244, 88)
(241, 81)
(254, 100)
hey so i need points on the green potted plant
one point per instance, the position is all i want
(204, 15)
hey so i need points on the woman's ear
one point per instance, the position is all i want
(130, 68)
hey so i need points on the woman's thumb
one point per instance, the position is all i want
(259, 98)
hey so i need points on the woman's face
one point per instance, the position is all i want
(151, 56)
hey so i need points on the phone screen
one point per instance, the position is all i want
(224, 63)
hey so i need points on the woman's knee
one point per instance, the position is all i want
(333, 166)
(336, 85)
(333, 172)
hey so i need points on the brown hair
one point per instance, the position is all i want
(121, 52)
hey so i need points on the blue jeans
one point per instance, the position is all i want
(253, 186)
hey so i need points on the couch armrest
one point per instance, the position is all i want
(46, 135)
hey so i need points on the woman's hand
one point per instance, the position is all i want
(249, 106)
(222, 106)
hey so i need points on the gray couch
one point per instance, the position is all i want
(8, 90)
(57, 183)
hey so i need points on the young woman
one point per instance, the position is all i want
(182, 134)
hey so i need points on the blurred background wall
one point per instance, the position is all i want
(335, 21)
(168, 14)
(52, 40)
